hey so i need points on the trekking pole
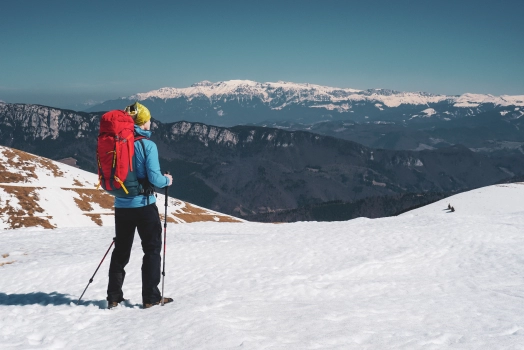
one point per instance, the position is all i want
(164, 258)
(91, 279)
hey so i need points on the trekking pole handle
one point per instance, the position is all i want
(166, 173)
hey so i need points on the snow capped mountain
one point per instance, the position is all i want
(240, 102)
(300, 93)
(474, 100)
(282, 93)
(245, 88)
(38, 192)
(427, 279)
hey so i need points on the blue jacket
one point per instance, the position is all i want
(145, 164)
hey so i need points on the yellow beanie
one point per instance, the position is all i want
(139, 113)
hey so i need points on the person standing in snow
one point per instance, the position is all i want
(141, 213)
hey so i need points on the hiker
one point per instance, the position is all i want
(139, 212)
(452, 209)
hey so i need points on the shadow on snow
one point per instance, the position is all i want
(54, 298)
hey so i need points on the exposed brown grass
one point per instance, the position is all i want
(22, 163)
(194, 214)
(48, 164)
(6, 263)
(97, 219)
(5, 255)
(169, 219)
(27, 198)
(9, 177)
(88, 196)
(77, 183)
(83, 204)
(25, 217)
(30, 221)
(25, 162)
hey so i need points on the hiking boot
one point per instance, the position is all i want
(166, 300)
(112, 304)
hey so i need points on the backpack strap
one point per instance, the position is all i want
(143, 147)
(147, 188)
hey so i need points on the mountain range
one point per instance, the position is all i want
(252, 170)
(239, 102)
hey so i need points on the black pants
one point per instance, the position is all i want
(147, 221)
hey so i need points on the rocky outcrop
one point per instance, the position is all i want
(40, 122)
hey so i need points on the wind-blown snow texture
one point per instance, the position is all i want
(428, 279)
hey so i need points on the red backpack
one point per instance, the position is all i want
(115, 154)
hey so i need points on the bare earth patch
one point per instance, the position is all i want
(48, 164)
(6, 263)
(23, 163)
(97, 218)
(88, 196)
(169, 219)
(25, 217)
(194, 214)
(77, 183)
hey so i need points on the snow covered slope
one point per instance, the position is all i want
(36, 191)
(428, 279)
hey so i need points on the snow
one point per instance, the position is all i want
(331, 98)
(411, 98)
(474, 100)
(427, 279)
(67, 196)
(330, 107)
(429, 112)
(422, 147)
(379, 106)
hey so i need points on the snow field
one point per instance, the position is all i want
(428, 279)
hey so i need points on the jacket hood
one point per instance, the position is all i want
(145, 133)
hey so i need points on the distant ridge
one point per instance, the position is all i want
(298, 92)
(237, 102)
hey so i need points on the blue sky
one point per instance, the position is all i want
(63, 52)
